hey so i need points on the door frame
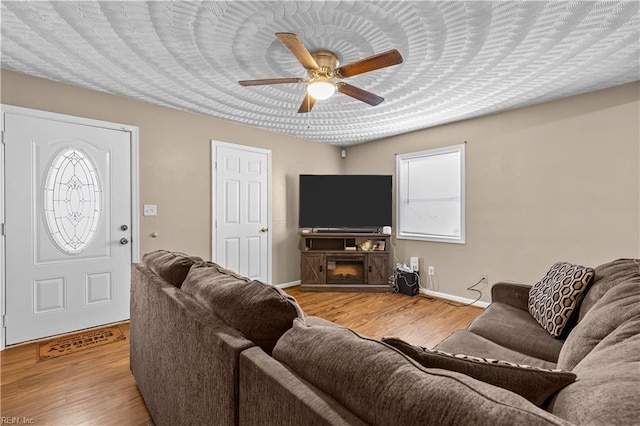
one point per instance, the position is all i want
(48, 115)
(214, 200)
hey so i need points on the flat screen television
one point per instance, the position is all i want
(345, 201)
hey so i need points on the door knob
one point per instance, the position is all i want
(124, 227)
(124, 241)
(265, 229)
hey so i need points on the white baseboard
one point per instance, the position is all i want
(287, 285)
(451, 297)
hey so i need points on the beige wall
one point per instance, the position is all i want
(175, 165)
(550, 182)
(556, 181)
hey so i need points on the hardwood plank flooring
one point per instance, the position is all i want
(90, 387)
(95, 386)
(420, 320)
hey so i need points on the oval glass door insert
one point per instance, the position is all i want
(72, 200)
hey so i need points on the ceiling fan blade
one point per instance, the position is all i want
(307, 104)
(372, 63)
(296, 47)
(270, 81)
(359, 94)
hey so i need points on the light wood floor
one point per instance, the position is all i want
(95, 386)
(419, 320)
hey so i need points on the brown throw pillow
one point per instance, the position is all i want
(260, 311)
(535, 384)
(173, 267)
(556, 297)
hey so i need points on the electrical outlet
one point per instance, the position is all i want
(414, 263)
(432, 270)
(485, 278)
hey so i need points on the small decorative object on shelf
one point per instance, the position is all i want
(366, 245)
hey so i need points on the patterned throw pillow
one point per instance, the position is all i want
(534, 383)
(557, 296)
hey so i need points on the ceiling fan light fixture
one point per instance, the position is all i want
(321, 88)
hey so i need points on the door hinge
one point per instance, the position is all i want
(2, 137)
(3, 230)
(4, 321)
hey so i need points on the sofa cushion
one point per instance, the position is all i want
(608, 275)
(517, 330)
(604, 352)
(261, 312)
(615, 308)
(383, 386)
(463, 341)
(534, 383)
(231, 274)
(173, 267)
(607, 389)
(557, 296)
(270, 394)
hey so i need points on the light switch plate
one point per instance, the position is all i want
(150, 210)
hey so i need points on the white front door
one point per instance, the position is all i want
(242, 209)
(68, 226)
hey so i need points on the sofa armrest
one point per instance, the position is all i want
(184, 359)
(514, 294)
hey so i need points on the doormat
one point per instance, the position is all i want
(78, 342)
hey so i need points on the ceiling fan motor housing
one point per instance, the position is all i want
(325, 59)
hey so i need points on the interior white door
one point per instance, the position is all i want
(68, 226)
(242, 178)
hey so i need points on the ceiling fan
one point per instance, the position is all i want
(322, 67)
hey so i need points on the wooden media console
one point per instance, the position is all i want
(345, 262)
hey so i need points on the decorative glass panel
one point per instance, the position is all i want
(72, 200)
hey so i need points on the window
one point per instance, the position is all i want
(72, 200)
(431, 195)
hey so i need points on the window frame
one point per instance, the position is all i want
(402, 159)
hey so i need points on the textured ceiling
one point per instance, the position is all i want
(461, 59)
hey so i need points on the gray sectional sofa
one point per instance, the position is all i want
(211, 347)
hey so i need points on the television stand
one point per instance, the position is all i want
(345, 261)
